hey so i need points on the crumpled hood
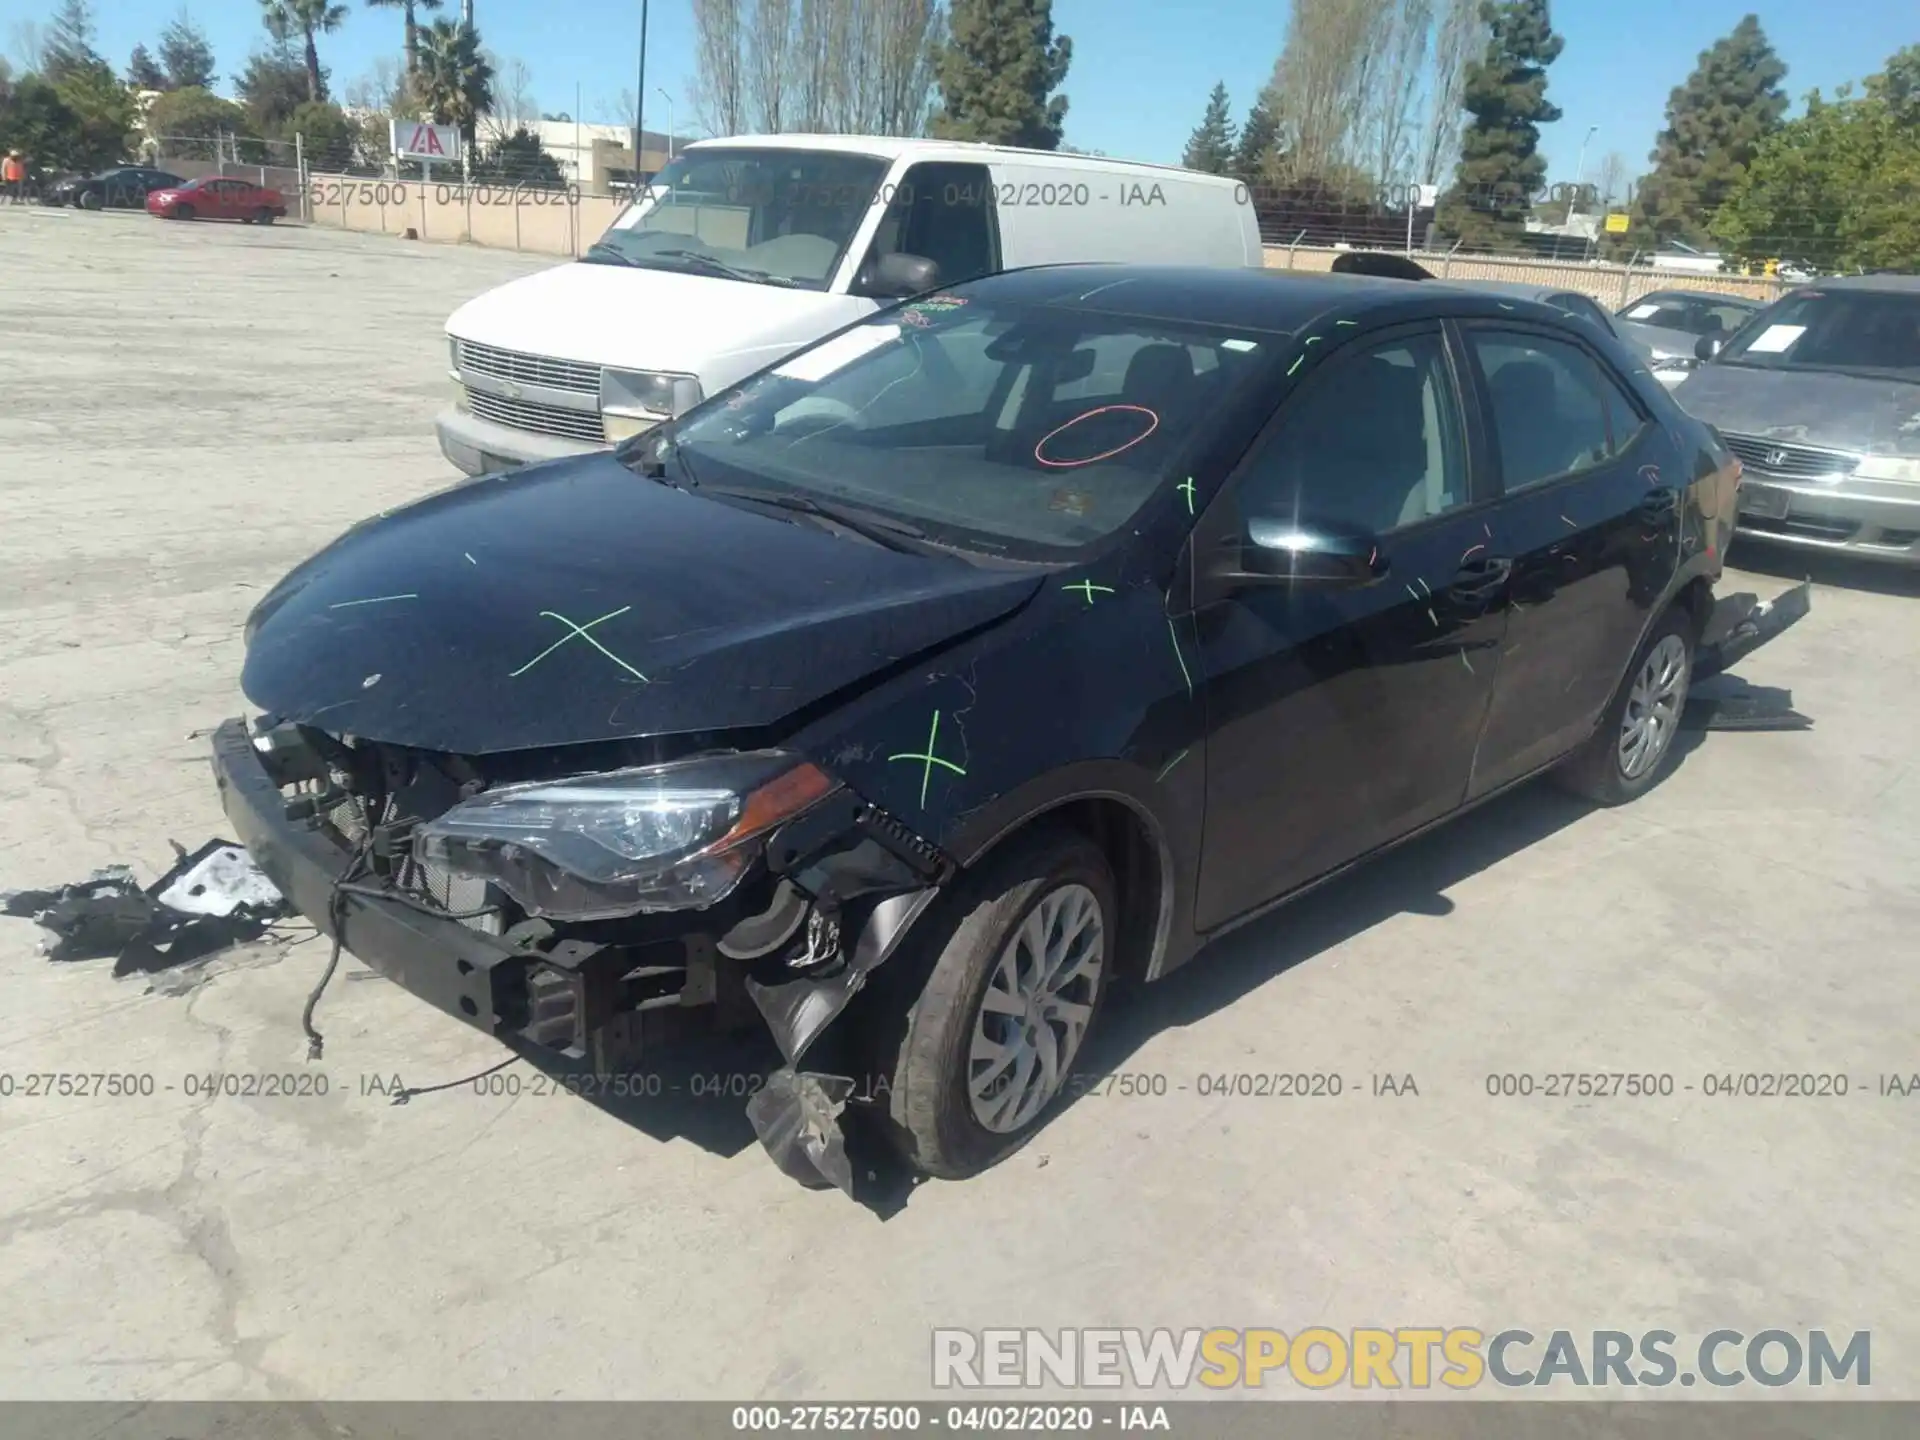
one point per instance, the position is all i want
(644, 319)
(577, 602)
(1807, 407)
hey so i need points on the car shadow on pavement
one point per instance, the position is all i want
(1835, 571)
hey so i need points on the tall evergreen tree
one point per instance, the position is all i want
(1210, 147)
(1258, 150)
(144, 72)
(1501, 168)
(1715, 123)
(186, 56)
(69, 42)
(998, 70)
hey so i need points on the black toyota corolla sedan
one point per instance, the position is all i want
(1009, 644)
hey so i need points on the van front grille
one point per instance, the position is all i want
(540, 419)
(523, 369)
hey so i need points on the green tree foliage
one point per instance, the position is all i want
(36, 122)
(104, 112)
(1839, 187)
(1210, 147)
(69, 43)
(186, 56)
(519, 159)
(144, 72)
(272, 87)
(410, 11)
(329, 137)
(997, 72)
(304, 20)
(1715, 123)
(456, 80)
(1257, 155)
(193, 119)
(1501, 168)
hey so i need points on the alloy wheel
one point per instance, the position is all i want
(1653, 707)
(1034, 1014)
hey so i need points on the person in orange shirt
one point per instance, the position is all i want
(14, 173)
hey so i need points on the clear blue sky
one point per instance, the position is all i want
(1141, 68)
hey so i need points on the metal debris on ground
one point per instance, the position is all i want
(212, 898)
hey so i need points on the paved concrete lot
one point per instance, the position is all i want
(186, 412)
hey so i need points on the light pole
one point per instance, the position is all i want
(640, 100)
(661, 92)
(1580, 174)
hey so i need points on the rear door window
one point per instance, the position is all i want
(1550, 405)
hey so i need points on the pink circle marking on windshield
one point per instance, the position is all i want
(1153, 424)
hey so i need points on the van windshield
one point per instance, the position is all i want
(772, 217)
(1016, 431)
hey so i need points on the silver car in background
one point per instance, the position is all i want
(1819, 397)
(1668, 326)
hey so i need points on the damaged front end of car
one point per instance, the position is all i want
(590, 915)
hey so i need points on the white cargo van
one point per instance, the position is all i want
(743, 250)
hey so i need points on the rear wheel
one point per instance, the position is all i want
(263, 216)
(1626, 754)
(1023, 965)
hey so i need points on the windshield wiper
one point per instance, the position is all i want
(720, 267)
(603, 250)
(892, 534)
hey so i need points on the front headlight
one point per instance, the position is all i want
(635, 400)
(661, 837)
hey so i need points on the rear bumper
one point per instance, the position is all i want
(1878, 524)
(461, 971)
(482, 447)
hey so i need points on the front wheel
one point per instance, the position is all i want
(1625, 755)
(183, 212)
(89, 201)
(1023, 964)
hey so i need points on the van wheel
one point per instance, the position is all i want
(1626, 754)
(1023, 963)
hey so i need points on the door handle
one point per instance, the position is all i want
(1478, 579)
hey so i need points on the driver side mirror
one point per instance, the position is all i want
(1288, 552)
(900, 276)
(1707, 346)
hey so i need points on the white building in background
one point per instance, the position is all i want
(599, 158)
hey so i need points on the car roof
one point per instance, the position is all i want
(893, 147)
(1887, 284)
(1710, 297)
(1245, 298)
(1507, 287)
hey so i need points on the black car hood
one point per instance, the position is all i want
(578, 602)
(1866, 415)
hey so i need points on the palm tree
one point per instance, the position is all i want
(410, 10)
(456, 81)
(285, 19)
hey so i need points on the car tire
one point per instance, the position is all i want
(263, 216)
(183, 212)
(89, 201)
(1626, 755)
(1048, 897)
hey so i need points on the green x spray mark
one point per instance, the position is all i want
(1185, 487)
(580, 631)
(1087, 587)
(929, 760)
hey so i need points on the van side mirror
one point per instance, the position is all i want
(1303, 552)
(1707, 346)
(900, 276)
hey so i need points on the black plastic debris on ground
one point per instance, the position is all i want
(1726, 702)
(1740, 625)
(212, 898)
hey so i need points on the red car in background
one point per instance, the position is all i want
(218, 197)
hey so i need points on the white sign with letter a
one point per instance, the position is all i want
(413, 140)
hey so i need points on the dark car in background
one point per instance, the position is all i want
(1819, 396)
(1010, 643)
(218, 197)
(1669, 325)
(124, 187)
